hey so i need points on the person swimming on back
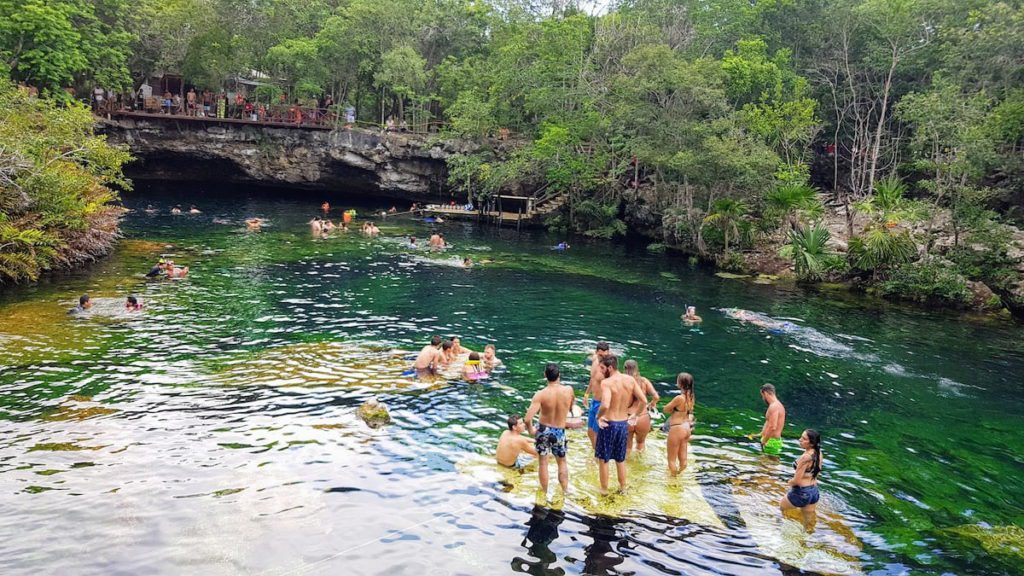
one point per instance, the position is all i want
(593, 391)
(552, 403)
(513, 444)
(132, 304)
(472, 370)
(429, 359)
(691, 316)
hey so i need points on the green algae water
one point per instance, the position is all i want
(215, 432)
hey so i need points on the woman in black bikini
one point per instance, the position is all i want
(680, 424)
(803, 494)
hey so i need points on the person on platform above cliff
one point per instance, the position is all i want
(190, 98)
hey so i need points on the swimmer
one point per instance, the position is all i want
(193, 210)
(131, 304)
(439, 220)
(150, 210)
(680, 423)
(176, 209)
(803, 494)
(447, 356)
(435, 241)
(429, 359)
(774, 422)
(641, 427)
(512, 444)
(157, 269)
(221, 221)
(594, 391)
(84, 304)
(490, 360)
(327, 226)
(373, 229)
(691, 316)
(457, 348)
(175, 271)
(412, 242)
(316, 226)
(325, 207)
(467, 262)
(618, 393)
(254, 224)
(562, 246)
(552, 403)
(472, 370)
(392, 210)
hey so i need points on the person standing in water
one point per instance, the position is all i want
(594, 391)
(803, 494)
(618, 393)
(680, 423)
(430, 358)
(774, 422)
(552, 403)
(641, 427)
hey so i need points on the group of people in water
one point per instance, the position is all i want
(131, 304)
(440, 355)
(166, 268)
(619, 418)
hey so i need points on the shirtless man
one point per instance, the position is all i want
(774, 422)
(316, 226)
(618, 393)
(512, 443)
(691, 316)
(490, 361)
(553, 403)
(594, 391)
(429, 359)
(435, 241)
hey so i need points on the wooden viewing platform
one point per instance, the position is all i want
(207, 120)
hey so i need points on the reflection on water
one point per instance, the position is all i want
(215, 432)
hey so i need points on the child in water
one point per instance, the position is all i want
(132, 304)
(472, 370)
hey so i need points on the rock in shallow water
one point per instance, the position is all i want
(374, 413)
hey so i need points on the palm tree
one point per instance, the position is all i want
(883, 245)
(792, 201)
(808, 249)
(726, 214)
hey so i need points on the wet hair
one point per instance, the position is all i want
(446, 345)
(491, 346)
(631, 367)
(133, 300)
(814, 437)
(551, 372)
(454, 338)
(610, 361)
(684, 381)
(83, 299)
(767, 389)
(474, 356)
(603, 346)
(435, 341)
(513, 421)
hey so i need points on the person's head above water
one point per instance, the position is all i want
(767, 392)
(602, 348)
(435, 341)
(132, 301)
(551, 372)
(474, 356)
(84, 301)
(446, 345)
(489, 350)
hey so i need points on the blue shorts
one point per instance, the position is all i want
(595, 405)
(611, 441)
(551, 441)
(800, 496)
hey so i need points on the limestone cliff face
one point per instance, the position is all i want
(399, 165)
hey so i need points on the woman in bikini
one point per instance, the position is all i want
(803, 492)
(680, 424)
(642, 426)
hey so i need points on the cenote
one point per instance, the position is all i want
(215, 433)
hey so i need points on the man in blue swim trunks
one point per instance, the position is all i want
(594, 390)
(618, 392)
(553, 403)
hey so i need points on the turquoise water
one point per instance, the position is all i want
(216, 432)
